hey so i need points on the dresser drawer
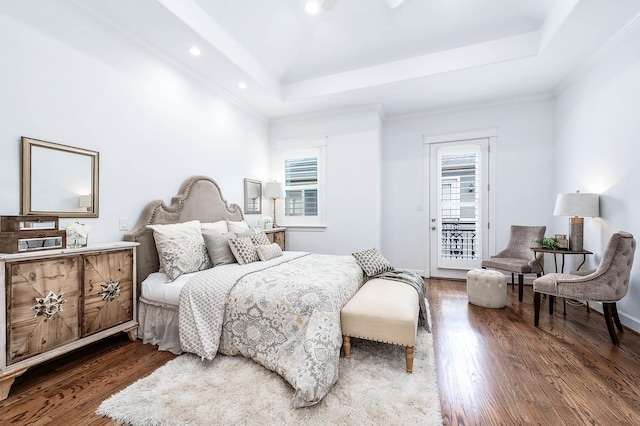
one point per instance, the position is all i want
(42, 306)
(108, 290)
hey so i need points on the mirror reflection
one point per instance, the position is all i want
(58, 179)
(252, 196)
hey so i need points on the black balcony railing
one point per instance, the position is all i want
(459, 239)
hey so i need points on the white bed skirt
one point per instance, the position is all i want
(158, 325)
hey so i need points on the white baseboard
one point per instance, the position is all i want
(632, 322)
(627, 320)
(418, 271)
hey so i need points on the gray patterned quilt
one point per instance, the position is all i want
(283, 314)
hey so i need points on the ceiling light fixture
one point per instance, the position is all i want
(330, 4)
(194, 51)
(242, 85)
(394, 3)
(312, 7)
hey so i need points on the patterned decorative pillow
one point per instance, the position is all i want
(268, 251)
(190, 229)
(243, 250)
(260, 239)
(182, 256)
(248, 233)
(372, 262)
(218, 247)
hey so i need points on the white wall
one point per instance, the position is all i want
(72, 82)
(597, 150)
(353, 190)
(524, 173)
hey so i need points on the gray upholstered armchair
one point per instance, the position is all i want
(518, 258)
(607, 284)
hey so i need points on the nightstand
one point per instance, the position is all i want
(277, 235)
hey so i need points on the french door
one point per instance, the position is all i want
(458, 206)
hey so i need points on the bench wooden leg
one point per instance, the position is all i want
(409, 352)
(346, 344)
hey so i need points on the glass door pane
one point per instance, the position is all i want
(458, 180)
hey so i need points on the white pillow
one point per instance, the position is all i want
(162, 233)
(220, 227)
(238, 227)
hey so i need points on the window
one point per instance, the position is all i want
(301, 186)
(302, 165)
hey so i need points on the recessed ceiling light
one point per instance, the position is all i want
(194, 51)
(242, 85)
(312, 7)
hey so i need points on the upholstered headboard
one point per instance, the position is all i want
(199, 198)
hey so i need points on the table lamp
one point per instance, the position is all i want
(84, 204)
(578, 206)
(274, 190)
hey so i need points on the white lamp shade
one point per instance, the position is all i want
(85, 201)
(274, 190)
(253, 192)
(577, 204)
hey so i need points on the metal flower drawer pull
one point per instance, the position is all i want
(49, 305)
(110, 290)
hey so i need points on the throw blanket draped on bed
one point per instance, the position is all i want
(285, 317)
(415, 281)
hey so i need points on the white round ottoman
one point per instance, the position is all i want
(487, 288)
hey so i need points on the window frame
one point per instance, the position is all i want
(303, 148)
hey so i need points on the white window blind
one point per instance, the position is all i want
(301, 186)
(302, 164)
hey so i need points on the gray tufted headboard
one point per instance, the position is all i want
(199, 198)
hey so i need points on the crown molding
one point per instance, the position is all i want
(470, 107)
(373, 108)
(593, 59)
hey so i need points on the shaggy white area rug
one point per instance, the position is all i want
(373, 389)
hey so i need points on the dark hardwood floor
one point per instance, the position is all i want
(68, 390)
(494, 367)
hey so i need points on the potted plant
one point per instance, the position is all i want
(548, 243)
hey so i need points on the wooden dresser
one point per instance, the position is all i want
(277, 235)
(55, 301)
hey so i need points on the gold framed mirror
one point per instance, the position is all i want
(252, 196)
(58, 179)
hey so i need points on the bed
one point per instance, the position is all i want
(283, 312)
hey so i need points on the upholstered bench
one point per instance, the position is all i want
(384, 311)
(487, 288)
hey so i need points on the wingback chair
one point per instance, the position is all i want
(607, 284)
(518, 258)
